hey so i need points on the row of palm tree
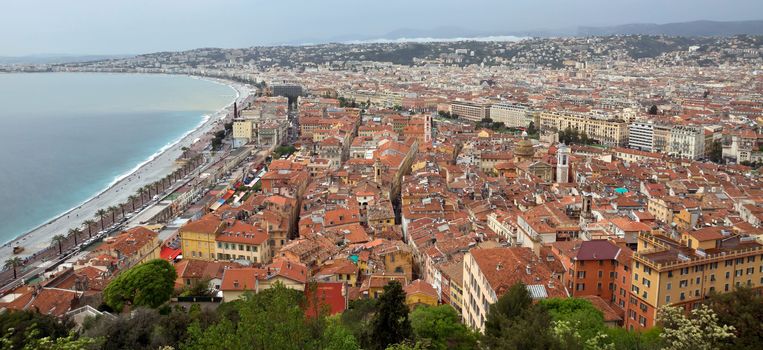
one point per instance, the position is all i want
(144, 194)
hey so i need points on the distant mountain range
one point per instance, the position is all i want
(56, 58)
(450, 33)
(694, 28)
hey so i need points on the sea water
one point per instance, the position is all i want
(64, 137)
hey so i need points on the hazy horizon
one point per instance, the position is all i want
(90, 27)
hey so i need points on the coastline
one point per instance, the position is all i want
(154, 167)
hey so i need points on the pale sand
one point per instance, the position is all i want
(153, 170)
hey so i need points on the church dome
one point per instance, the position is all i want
(524, 149)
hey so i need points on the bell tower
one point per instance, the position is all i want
(562, 164)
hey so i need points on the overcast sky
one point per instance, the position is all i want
(141, 26)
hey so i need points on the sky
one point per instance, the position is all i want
(31, 27)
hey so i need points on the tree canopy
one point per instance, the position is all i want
(440, 327)
(149, 284)
(391, 324)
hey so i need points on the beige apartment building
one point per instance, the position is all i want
(608, 131)
(683, 273)
(489, 273)
(243, 131)
(510, 114)
(469, 110)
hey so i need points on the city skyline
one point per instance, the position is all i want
(44, 27)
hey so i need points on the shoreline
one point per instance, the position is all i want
(154, 167)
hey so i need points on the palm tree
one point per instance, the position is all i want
(89, 224)
(13, 263)
(132, 199)
(122, 208)
(112, 210)
(59, 239)
(101, 213)
(74, 232)
(142, 191)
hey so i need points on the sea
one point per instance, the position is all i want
(65, 137)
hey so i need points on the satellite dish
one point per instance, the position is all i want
(524, 133)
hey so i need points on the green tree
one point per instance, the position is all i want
(101, 213)
(19, 324)
(531, 130)
(35, 341)
(440, 327)
(338, 337)
(699, 330)
(148, 284)
(271, 319)
(586, 318)
(89, 224)
(59, 241)
(358, 317)
(13, 263)
(584, 138)
(74, 232)
(653, 110)
(742, 309)
(514, 322)
(716, 152)
(626, 340)
(391, 324)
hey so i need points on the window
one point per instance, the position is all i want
(601, 274)
(219, 245)
(670, 273)
(580, 286)
(668, 286)
(667, 299)
(581, 274)
(240, 247)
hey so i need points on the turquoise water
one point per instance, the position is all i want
(64, 137)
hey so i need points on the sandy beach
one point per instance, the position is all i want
(158, 167)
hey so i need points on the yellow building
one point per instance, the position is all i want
(338, 271)
(609, 131)
(134, 246)
(243, 131)
(198, 237)
(397, 259)
(238, 281)
(373, 287)
(419, 293)
(242, 241)
(661, 209)
(668, 272)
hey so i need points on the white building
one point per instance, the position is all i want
(512, 115)
(687, 141)
(641, 136)
(562, 164)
